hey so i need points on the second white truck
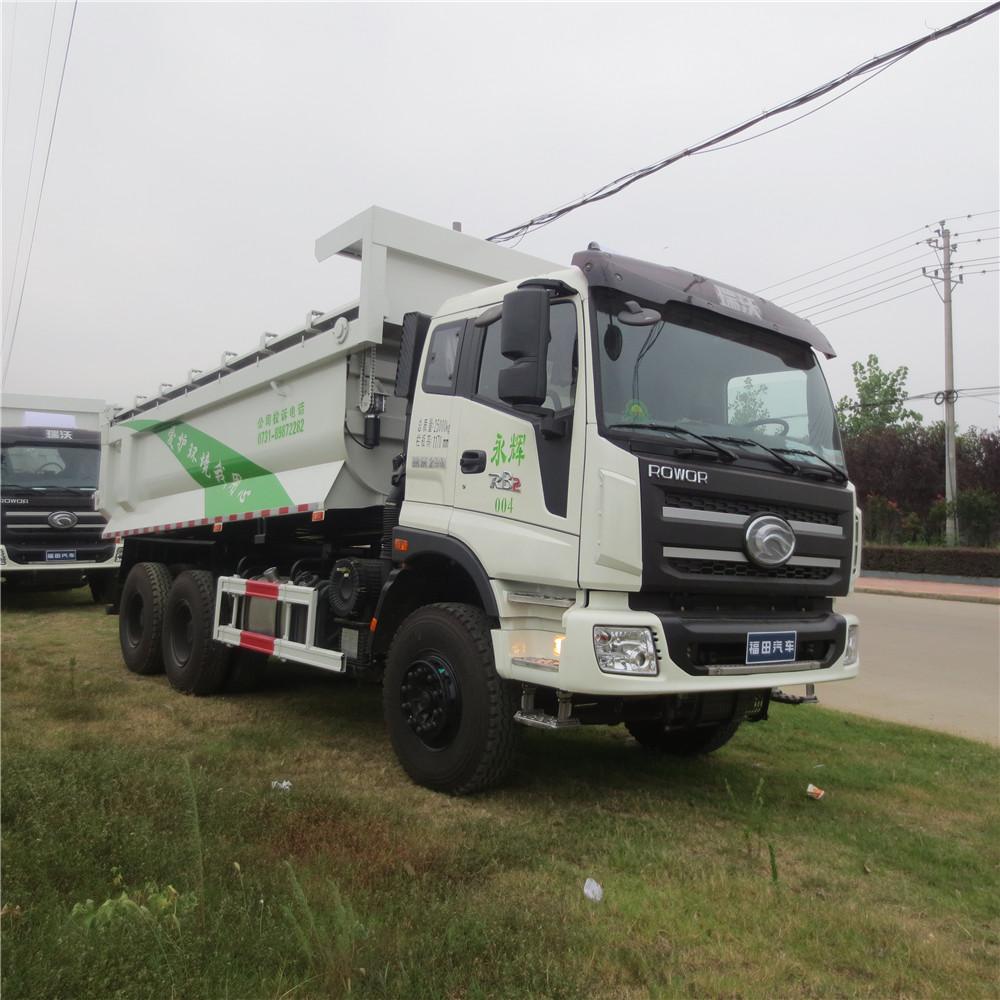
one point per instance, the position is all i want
(513, 492)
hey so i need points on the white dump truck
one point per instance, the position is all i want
(513, 492)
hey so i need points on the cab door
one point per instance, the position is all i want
(431, 445)
(518, 469)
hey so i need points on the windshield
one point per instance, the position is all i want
(695, 373)
(60, 466)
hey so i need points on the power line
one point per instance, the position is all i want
(41, 191)
(855, 267)
(10, 75)
(850, 256)
(853, 281)
(978, 239)
(867, 295)
(863, 69)
(859, 253)
(833, 319)
(825, 104)
(31, 167)
(978, 260)
(919, 396)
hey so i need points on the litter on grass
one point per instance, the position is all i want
(282, 786)
(593, 891)
(813, 792)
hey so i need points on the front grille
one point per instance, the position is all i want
(16, 522)
(719, 567)
(730, 505)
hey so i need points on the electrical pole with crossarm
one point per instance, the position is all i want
(944, 244)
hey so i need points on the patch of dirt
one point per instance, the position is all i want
(371, 847)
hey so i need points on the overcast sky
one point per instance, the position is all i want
(200, 149)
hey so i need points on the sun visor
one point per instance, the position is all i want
(657, 284)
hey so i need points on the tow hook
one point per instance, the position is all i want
(809, 698)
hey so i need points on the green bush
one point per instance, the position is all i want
(931, 559)
(978, 516)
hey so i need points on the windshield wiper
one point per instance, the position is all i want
(785, 464)
(838, 474)
(674, 429)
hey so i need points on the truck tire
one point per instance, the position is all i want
(449, 714)
(683, 742)
(140, 617)
(245, 671)
(103, 587)
(194, 662)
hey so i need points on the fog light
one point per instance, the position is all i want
(625, 650)
(119, 552)
(851, 651)
(3, 556)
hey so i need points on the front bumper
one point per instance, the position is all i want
(9, 568)
(562, 655)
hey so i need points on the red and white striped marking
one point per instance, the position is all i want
(257, 642)
(286, 596)
(156, 529)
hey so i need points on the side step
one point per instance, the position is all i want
(528, 715)
(809, 698)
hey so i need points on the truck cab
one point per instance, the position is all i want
(50, 533)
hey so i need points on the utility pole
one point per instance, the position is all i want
(943, 243)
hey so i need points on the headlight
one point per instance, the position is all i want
(625, 650)
(851, 651)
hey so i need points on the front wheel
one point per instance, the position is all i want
(683, 742)
(449, 714)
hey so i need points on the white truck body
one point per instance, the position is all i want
(583, 544)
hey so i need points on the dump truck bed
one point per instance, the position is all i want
(280, 429)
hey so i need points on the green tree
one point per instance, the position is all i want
(880, 399)
(748, 404)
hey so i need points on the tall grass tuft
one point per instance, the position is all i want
(327, 945)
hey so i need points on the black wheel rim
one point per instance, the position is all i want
(431, 701)
(134, 620)
(182, 632)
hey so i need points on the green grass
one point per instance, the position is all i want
(721, 877)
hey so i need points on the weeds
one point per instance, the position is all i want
(328, 945)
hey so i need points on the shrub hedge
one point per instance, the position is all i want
(931, 559)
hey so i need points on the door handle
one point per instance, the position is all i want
(473, 461)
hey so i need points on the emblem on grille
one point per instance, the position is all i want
(63, 519)
(770, 541)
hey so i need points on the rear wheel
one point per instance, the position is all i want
(245, 671)
(683, 742)
(449, 714)
(194, 662)
(140, 619)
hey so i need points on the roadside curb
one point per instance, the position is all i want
(927, 594)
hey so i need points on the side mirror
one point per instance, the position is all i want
(524, 339)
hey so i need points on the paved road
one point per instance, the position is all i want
(927, 663)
